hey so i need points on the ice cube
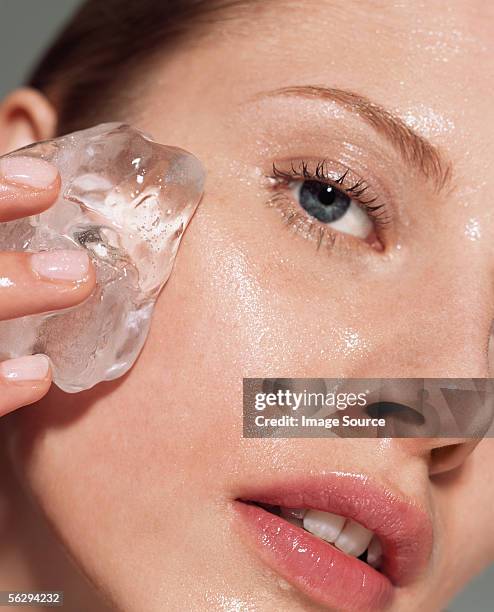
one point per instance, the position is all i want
(127, 200)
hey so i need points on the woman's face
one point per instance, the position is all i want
(140, 476)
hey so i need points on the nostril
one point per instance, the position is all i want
(414, 419)
(399, 412)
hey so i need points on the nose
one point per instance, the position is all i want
(440, 454)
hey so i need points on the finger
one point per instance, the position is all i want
(28, 186)
(23, 381)
(40, 282)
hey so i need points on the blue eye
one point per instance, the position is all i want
(333, 207)
(323, 201)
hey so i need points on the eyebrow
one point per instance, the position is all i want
(414, 149)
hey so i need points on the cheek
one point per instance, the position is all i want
(246, 303)
(229, 310)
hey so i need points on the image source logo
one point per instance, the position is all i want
(368, 407)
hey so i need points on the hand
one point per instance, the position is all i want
(34, 282)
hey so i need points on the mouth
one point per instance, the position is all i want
(342, 541)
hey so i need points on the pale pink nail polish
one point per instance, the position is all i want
(61, 265)
(31, 367)
(28, 171)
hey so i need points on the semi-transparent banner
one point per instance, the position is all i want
(368, 407)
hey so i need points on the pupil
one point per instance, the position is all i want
(322, 201)
(327, 195)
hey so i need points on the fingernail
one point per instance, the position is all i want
(28, 171)
(61, 265)
(32, 367)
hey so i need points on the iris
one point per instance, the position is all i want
(323, 201)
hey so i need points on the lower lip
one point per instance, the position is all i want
(325, 574)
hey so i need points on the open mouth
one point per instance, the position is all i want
(343, 533)
(343, 542)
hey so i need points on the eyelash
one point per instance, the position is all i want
(296, 216)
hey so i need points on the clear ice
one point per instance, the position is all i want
(127, 200)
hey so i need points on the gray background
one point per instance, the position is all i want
(25, 28)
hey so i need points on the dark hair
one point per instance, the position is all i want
(104, 44)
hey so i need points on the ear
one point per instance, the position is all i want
(26, 116)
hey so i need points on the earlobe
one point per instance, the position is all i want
(26, 116)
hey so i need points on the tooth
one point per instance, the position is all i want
(374, 553)
(297, 513)
(324, 524)
(354, 539)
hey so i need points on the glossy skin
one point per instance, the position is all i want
(131, 474)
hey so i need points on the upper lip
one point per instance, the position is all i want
(402, 526)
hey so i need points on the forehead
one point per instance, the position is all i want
(403, 44)
(430, 62)
(442, 30)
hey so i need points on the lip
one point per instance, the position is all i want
(317, 568)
